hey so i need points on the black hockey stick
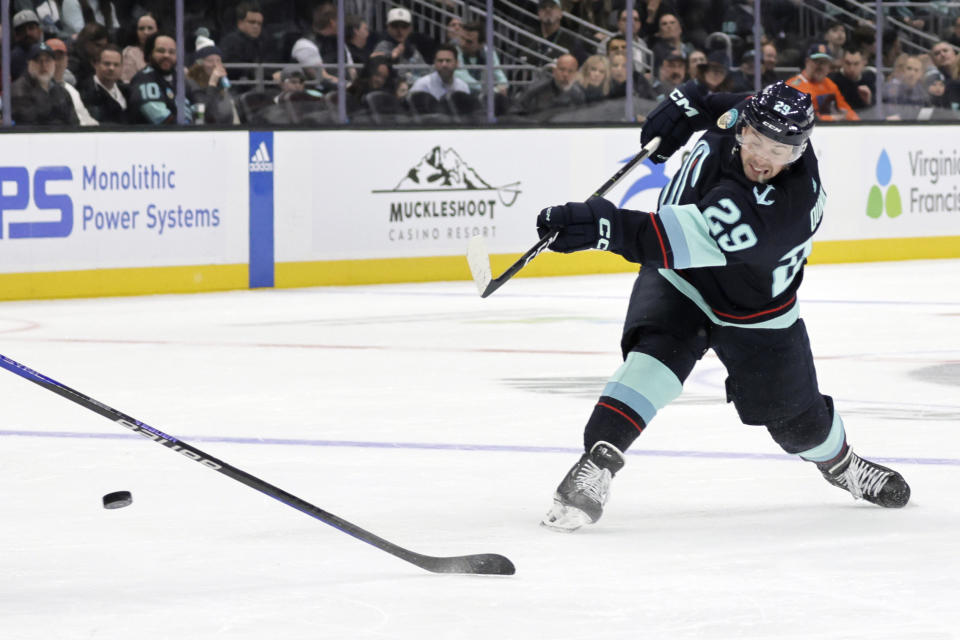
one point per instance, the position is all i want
(479, 258)
(485, 563)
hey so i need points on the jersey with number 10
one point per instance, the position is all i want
(735, 247)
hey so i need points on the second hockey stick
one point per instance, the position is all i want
(479, 258)
(484, 563)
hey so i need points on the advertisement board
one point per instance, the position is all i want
(121, 213)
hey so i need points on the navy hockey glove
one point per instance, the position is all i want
(578, 226)
(675, 119)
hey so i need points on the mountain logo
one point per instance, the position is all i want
(443, 170)
(876, 202)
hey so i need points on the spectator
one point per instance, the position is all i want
(618, 79)
(442, 81)
(473, 51)
(559, 91)
(454, 30)
(828, 102)
(835, 37)
(293, 83)
(377, 75)
(106, 98)
(618, 41)
(742, 79)
(694, 60)
(906, 87)
(855, 83)
(586, 11)
(402, 89)
(714, 74)
(397, 45)
(672, 73)
(133, 58)
(954, 37)
(153, 89)
(26, 33)
(59, 49)
(208, 84)
(594, 78)
(669, 38)
(36, 99)
(50, 18)
(650, 12)
(944, 57)
(76, 14)
(936, 87)
(89, 43)
(320, 46)
(551, 15)
(357, 34)
(247, 44)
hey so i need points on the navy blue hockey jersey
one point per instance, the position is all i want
(735, 247)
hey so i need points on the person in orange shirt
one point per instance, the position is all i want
(828, 103)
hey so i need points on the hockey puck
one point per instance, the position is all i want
(117, 500)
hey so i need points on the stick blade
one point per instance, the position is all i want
(479, 260)
(491, 564)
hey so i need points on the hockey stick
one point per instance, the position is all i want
(479, 258)
(484, 563)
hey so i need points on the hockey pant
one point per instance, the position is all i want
(771, 376)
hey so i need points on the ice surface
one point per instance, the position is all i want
(443, 422)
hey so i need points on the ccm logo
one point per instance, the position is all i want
(15, 194)
(604, 227)
(683, 102)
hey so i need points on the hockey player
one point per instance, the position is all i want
(722, 259)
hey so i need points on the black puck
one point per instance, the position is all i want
(117, 500)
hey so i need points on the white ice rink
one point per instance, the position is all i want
(443, 422)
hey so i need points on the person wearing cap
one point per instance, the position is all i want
(828, 103)
(153, 96)
(105, 96)
(552, 38)
(208, 84)
(936, 87)
(742, 78)
(26, 33)
(671, 74)
(398, 45)
(714, 74)
(855, 82)
(65, 79)
(36, 98)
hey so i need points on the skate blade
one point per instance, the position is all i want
(564, 518)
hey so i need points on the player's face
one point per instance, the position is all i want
(762, 157)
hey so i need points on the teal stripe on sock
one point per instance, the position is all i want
(632, 398)
(644, 384)
(831, 446)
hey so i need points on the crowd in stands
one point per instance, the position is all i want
(114, 62)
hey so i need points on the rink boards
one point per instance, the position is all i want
(95, 213)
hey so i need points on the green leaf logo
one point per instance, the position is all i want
(876, 202)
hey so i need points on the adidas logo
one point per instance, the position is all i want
(260, 161)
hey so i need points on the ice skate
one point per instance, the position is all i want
(584, 490)
(868, 480)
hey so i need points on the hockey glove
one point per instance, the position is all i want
(578, 225)
(675, 119)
